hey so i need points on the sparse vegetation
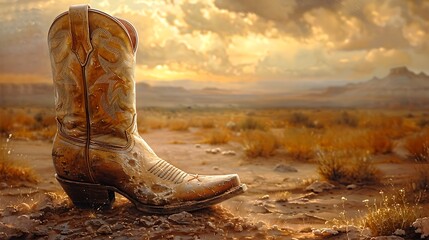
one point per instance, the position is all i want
(10, 172)
(250, 123)
(178, 124)
(419, 184)
(347, 167)
(217, 136)
(391, 213)
(418, 147)
(257, 143)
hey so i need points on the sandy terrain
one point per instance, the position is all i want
(276, 206)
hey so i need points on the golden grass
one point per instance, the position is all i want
(178, 124)
(347, 167)
(258, 143)
(379, 142)
(251, 123)
(217, 136)
(10, 171)
(393, 212)
(418, 147)
(419, 184)
(300, 144)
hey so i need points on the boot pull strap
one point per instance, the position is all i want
(79, 29)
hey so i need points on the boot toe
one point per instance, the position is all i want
(199, 187)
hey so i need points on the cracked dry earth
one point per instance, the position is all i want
(43, 211)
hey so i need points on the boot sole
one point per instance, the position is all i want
(97, 196)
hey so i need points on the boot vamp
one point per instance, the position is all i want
(199, 187)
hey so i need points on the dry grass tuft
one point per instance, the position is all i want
(300, 144)
(379, 142)
(392, 213)
(10, 172)
(178, 124)
(218, 136)
(419, 184)
(347, 167)
(418, 147)
(250, 123)
(257, 143)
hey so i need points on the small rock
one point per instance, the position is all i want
(265, 197)
(305, 230)
(104, 230)
(284, 168)
(319, 187)
(197, 145)
(213, 151)
(181, 218)
(228, 153)
(41, 231)
(238, 228)
(325, 232)
(422, 226)
(9, 210)
(211, 225)
(351, 186)
(118, 226)
(215, 168)
(96, 222)
(228, 225)
(3, 185)
(148, 221)
(399, 232)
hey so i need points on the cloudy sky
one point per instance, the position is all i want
(273, 45)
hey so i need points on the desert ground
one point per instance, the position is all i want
(311, 174)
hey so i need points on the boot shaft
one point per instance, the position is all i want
(92, 60)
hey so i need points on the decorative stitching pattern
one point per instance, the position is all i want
(168, 172)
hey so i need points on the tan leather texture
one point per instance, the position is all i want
(93, 59)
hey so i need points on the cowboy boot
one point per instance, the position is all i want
(97, 150)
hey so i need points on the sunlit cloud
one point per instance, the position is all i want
(262, 44)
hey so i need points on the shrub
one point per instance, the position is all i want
(347, 119)
(418, 147)
(257, 143)
(218, 136)
(419, 184)
(178, 125)
(392, 213)
(379, 142)
(300, 145)
(250, 123)
(347, 167)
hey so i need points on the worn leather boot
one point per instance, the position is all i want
(97, 150)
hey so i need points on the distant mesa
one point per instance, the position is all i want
(400, 88)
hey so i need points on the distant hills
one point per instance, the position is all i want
(401, 88)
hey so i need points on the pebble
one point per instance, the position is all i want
(325, 232)
(422, 226)
(96, 222)
(284, 168)
(104, 230)
(351, 186)
(319, 187)
(265, 197)
(181, 218)
(228, 153)
(238, 228)
(197, 145)
(211, 225)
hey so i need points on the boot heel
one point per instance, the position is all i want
(87, 195)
